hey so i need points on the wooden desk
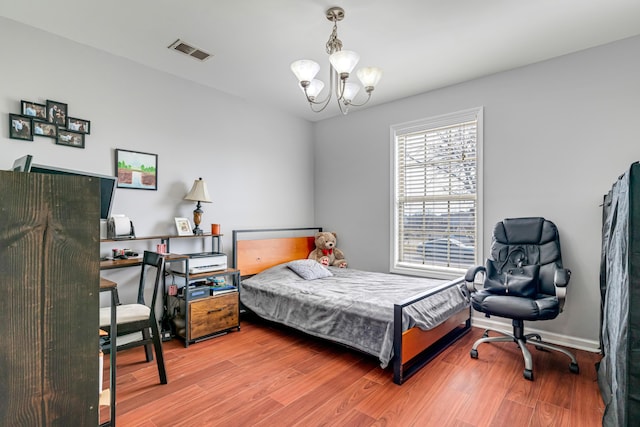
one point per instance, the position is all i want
(120, 263)
(111, 264)
(166, 239)
(107, 285)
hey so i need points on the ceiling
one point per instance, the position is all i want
(420, 45)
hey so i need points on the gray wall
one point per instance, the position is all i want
(242, 150)
(556, 136)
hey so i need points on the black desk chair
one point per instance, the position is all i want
(139, 317)
(519, 245)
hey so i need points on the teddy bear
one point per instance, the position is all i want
(326, 252)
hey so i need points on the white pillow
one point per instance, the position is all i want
(309, 269)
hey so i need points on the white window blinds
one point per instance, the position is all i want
(436, 193)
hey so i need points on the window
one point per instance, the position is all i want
(436, 194)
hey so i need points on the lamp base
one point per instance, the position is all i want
(197, 217)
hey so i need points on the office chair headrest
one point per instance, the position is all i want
(514, 231)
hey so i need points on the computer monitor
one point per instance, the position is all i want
(107, 185)
(23, 164)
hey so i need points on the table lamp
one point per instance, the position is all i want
(200, 194)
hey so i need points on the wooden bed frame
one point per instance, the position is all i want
(412, 349)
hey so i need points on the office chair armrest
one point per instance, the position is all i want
(561, 277)
(470, 277)
(560, 281)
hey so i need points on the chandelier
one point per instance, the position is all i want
(342, 63)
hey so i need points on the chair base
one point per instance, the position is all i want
(521, 339)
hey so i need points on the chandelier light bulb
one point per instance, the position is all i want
(344, 61)
(369, 76)
(305, 69)
(314, 88)
(350, 91)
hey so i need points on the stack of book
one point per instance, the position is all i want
(219, 286)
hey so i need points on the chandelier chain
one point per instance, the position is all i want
(334, 44)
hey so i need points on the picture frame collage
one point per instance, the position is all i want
(49, 120)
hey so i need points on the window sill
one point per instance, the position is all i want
(430, 272)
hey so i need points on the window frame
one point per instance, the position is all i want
(425, 125)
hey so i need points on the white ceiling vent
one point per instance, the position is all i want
(190, 50)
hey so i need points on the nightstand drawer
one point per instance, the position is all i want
(214, 314)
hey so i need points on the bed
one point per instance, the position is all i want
(403, 321)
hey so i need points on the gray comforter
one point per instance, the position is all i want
(352, 307)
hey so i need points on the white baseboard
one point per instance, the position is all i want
(551, 337)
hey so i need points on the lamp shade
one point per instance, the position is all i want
(344, 61)
(350, 91)
(305, 69)
(314, 88)
(369, 76)
(199, 192)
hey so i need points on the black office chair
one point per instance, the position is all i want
(517, 243)
(140, 318)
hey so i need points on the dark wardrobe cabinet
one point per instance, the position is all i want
(49, 299)
(619, 369)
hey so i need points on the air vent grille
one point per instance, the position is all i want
(188, 49)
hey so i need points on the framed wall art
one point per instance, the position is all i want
(57, 113)
(20, 127)
(79, 125)
(136, 170)
(45, 129)
(72, 139)
(34, 110)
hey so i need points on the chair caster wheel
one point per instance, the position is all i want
(473, 354)
(574, 368)
(528, 374)
(486, 334)
(540, 348)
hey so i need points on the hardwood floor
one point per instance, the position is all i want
(266, 375)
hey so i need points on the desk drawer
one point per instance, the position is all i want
(214, 314)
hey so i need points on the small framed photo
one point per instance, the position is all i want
(45, 129)
(32, 109)
(57, 113)
(184, 227)
(20, 127)
(72, 139)
(78, 125)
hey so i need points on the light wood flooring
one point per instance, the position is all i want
(266, 375)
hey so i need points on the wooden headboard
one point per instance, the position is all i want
(254, 253)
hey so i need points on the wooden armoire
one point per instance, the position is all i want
(49, 299)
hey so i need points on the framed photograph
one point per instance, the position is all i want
(72, 139)
(20, 127)
(57, 113)
(136, 170)
(45, 129)
(78, 125)
(31, 109)
(184, 227)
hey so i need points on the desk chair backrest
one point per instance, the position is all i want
(150, 261)
(540, 241)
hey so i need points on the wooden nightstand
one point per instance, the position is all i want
(213, 315)
(203, 317)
